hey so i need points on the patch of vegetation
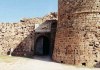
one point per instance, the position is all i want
(7, 59)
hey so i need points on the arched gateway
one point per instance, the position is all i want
(42, 46)
(44, 38)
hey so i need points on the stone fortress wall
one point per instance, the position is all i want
(14, 36)
(77, 39)
(78, 33)
(19, 37)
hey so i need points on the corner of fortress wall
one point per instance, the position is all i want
(78, 33)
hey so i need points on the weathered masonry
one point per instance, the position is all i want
(20, 39)
(78, 33)
(75, 41)
(44, 38)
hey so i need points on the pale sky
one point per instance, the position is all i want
(14, 10)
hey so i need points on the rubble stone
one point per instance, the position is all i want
(19, 37)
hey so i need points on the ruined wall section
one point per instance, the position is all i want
(78, 33)
(17, 36)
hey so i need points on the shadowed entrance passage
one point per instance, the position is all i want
(42, 47)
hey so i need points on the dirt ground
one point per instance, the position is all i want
(19, 63)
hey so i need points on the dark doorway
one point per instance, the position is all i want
(42, 47)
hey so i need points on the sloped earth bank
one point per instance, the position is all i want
(44, 63)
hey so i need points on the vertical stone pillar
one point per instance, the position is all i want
(78, 33)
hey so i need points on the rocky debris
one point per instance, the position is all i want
(51, 16)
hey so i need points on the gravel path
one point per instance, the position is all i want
(18, 63)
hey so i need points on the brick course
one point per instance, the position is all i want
(78, 33)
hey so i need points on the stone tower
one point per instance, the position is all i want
(78, 33)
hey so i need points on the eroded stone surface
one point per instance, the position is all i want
(78, 33)
(19, 37)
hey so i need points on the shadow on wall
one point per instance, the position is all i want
(97, 65)
(26, 41)
(25, 47)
